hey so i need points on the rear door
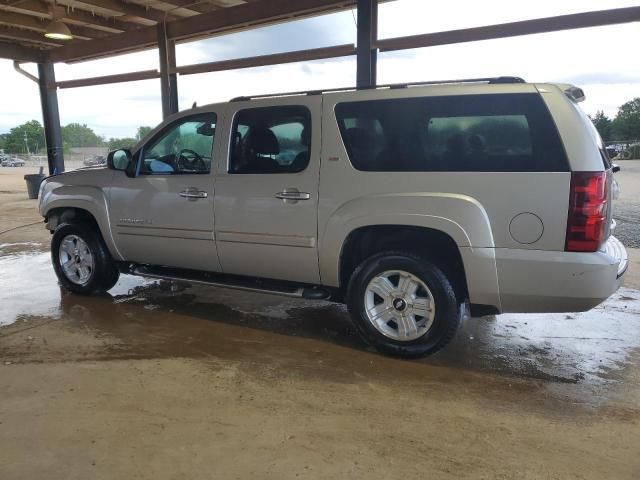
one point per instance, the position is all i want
(267, 192)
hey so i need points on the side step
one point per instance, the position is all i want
(235, 282)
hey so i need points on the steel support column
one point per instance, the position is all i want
(51, 117)
(168, 77)
(367, 55)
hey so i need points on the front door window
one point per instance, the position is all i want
(185, 147)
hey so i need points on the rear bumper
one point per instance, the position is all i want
(543, 281)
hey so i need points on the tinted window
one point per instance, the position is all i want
(502, 133)
(183, 147)
(270, 140)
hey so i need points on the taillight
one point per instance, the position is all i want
(588, 215)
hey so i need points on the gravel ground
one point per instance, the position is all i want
(628, 229)
(627, 208)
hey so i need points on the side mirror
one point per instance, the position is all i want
(119, 159)
(615, 167)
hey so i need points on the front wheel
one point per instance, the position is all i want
(81, 259)
(403, 305)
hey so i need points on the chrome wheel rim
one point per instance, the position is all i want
(76, 259)
(399, 305)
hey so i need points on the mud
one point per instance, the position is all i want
(163, 380)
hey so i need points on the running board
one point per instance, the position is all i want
(272, 287)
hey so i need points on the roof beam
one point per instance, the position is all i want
(265, 60)
(262, 12)
(40, 9)
(132, 9)
(255, 13)
(204, 6)
(37, 24)
(20, 53)
(28, 36)
(513, 29)
(107, 79)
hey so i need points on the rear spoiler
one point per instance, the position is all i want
(574, 93)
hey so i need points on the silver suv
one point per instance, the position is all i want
(407, 203)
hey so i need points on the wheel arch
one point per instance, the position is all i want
(436, 245)
(71, 211)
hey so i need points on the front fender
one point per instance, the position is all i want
(459, 216)
(84, 197)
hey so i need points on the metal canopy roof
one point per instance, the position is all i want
(107, 27)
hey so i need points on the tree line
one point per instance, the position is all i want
(29, 137)
(624, 127)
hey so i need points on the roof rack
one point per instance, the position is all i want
(390, 86)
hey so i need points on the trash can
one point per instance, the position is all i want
(33, 184)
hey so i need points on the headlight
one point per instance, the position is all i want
(41, 192)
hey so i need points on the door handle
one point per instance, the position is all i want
(292, 194)
(193, 194)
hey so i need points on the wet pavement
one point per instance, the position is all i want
(141, 318)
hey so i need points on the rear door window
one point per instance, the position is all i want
(501, 133)
(271, 140)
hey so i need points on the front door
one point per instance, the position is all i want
(164, 215)
(267, 193)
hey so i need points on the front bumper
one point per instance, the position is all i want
(544, 281)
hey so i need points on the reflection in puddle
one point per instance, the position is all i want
(29, 287)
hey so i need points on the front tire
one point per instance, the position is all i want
(81, 259)
(403, 305)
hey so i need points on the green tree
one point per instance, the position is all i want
(602, 124)
(115, 143)
(77, 135)
(626, 125)
(142, 132)
(3, 141)
(34, 134)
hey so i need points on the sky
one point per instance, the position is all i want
(600, 60)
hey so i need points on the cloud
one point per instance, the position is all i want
(327, 30)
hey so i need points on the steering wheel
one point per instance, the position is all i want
(190, 161)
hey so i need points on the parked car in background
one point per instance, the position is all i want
(410, 204)
(95, 160)
(13, 162)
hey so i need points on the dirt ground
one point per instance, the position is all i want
(164, 381)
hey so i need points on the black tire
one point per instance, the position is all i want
(105, 273)
(447, 308)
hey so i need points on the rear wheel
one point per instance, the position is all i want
(81, 259)
(403, 305)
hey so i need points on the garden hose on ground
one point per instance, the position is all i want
(20, 226)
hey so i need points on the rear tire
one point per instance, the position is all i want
(403, 305)
(81, 259)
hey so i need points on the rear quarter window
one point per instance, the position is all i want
(483, 133)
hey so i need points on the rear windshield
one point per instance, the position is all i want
(474, 133)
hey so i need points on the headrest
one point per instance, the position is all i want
(305, 136)
(358, 138)
(262, 140)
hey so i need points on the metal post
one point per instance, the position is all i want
(367, 54)
(51, 117)
(168, 80)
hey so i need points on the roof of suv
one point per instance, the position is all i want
(486, 80)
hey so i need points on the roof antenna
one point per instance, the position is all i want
(194, 105)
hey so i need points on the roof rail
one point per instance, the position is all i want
(488, 80)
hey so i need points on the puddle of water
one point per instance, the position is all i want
(563, 347)
(20, 247)
(589, 347)
(29, 287)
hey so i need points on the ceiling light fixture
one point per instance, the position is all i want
(57, 29)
